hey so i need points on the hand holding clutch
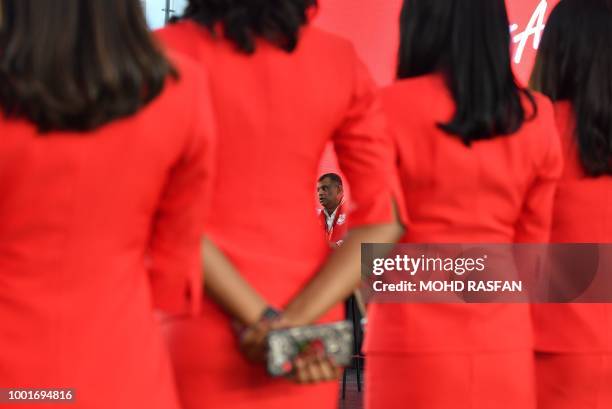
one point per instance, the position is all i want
(298, 351)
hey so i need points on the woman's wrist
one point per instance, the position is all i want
(270, 314)
(265, 314)
(252, 312)
(293, 317)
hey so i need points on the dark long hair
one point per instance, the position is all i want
(574, 63)
(76, 65)
(468, 41)
(242, 21)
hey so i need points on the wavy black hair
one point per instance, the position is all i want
(76, 65)
(468, 41)
(242, 21)
(574, 63)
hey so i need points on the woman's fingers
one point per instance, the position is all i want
(301, 371)
(327, 369)
(314, 369)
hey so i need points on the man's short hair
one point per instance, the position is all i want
(333, 177)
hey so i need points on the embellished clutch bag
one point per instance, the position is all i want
(285, 345)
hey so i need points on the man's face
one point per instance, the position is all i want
(329, 193)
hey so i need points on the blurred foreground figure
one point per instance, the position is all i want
(574, 68)
(282, 90)
(103, 165)
(479, 159)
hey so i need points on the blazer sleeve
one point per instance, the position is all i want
(175, 269)
(535, 221)
(367, 156)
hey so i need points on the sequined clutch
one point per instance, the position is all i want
(286, 344)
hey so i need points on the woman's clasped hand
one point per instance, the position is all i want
(312, 365)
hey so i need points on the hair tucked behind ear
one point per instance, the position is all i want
(242, 21)
(574, 63)
(467, 41)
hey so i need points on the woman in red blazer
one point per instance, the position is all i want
(282, 90)
(574, 68)
(103, 163)
(479, 159)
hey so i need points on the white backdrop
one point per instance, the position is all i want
(155, 11)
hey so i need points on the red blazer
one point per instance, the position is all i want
(87, 223)
(335, 236)
(498, 191)
(582, 214)
(276, 112)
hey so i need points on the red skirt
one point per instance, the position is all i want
(574, 381)
(500, 380)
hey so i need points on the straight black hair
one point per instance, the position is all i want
(574, 63)
(76, 65)
(242, 21)
(468, 41)
(334, 177)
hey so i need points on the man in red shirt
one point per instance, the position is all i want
(333, 215)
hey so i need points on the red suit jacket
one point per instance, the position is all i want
(335, 236)
(498, 191)
(582, 214)
(276, 112)
(87, 224)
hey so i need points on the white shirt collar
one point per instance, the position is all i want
(329, 218)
